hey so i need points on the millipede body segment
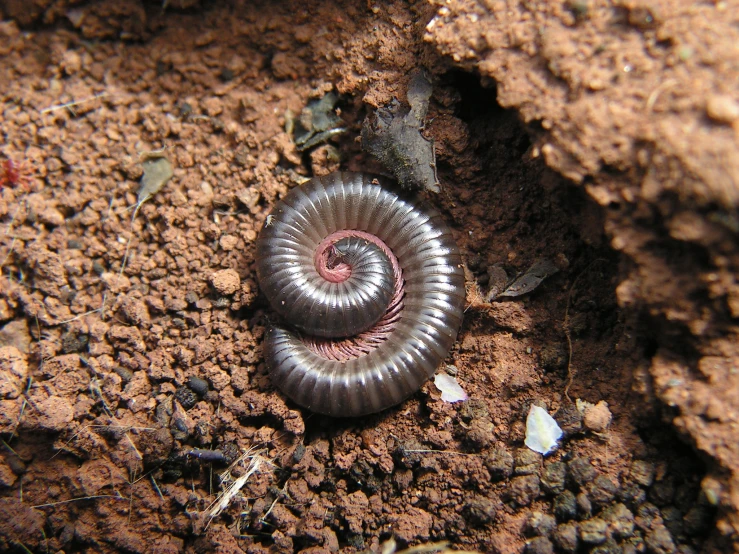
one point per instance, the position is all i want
(370, 290)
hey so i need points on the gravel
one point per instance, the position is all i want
(526, 462)
(642, 472)
(480, 510)
(659, 541)
(662, 492)
(539, 545)
(602, 490)
(581, 471)
(499, 463)
(565, 537)
(620, 521)
(565, 506)
(539, 524)
(553, 477)
(584, 506)
(593, 531)
(524, 489)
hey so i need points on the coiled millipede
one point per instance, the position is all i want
(371, 287)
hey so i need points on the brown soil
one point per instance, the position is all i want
(611, 148)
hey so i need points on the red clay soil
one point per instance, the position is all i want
(602, 136)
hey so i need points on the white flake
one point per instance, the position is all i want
(450, 389)
(542, 432)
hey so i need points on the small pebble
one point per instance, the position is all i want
(697, 520)
(620, 521)
(406, 454)
(565, 506)
(526, 462)
(647, 514)
(539, 524)
(597, 418)
(73, 341)
(228, 242)
(474, 408)
(602, 490)
(539, 545)
(480, 510)
(298, 453)
(569, 419)
(642, 472)
(523, 489)
(722, 108)
(226, 281)
(175, 304)
(593, 531)
(581, 471)
(191, 297)
(584, 506)
(230, 452)
(499, 463)
(662, 492)
(659, 541)
(553, 477)
(565, 537)
(124, 373)
(632, 494)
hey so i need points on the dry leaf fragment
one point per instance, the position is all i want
(157, 171)
(527, 282)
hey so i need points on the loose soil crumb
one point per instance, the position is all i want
(610, 150)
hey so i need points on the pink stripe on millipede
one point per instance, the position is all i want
(354, 347)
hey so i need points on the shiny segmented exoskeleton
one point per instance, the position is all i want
(327, 241)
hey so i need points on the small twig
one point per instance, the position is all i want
(154, 482)
(255, 461)
(75, 318)
(23, 546)
(444, 452)
(10, 251)
(73, 103)
(282, 494)
(652, 100)
(6, 445)
(26, 402)
(136, 450)
(116, 496)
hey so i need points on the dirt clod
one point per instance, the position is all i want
(597, 418)
(226, 281)
(539, 545)
(565, 506)
(553, 477)
(540, 524)
(581, 471)
(593, 531)
(566, 537)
